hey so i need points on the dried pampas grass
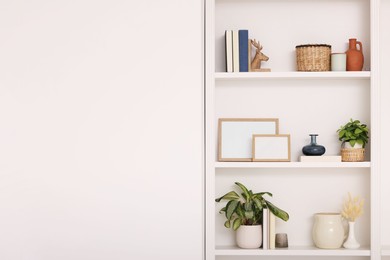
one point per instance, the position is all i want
(352, 208)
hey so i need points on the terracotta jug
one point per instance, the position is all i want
(355, 57)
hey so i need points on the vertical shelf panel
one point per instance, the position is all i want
(385, 125)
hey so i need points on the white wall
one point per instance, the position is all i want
(101, 129)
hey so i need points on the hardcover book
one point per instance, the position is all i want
(272, 226)
(243, 49)
(236, 52)
(229, 50)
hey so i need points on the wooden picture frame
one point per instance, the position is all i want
(235, 136)
(271, 148)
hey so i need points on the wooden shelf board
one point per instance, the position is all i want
(292, 251)
(292, 164)
(295, 74)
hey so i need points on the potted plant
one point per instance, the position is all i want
(354, 136)
(244, 214)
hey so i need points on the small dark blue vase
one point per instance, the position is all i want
(313, 149)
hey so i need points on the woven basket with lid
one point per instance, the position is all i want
(313, 57)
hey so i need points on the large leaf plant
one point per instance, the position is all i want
(247, 208)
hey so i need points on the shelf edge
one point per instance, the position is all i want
(292, 251)
(292, 165)
(293, 74)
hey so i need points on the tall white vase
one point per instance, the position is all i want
(351, 242)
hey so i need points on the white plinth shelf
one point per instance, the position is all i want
(295, 75)
(386, 250)
(292, 165)
(291, 251)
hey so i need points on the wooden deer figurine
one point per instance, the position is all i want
(259, 57)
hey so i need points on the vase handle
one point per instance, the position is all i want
(360, 46)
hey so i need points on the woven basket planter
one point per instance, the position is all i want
(352, 155)
(313, 57)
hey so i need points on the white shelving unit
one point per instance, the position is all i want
(304, 102)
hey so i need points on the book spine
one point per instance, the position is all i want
(272, 226)
(229, 50)
(249, 55)
(265, 229)
(236, 52)
(243, 50)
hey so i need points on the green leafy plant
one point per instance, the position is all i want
(354, 132)
(247, 208)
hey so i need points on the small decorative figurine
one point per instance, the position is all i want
(259, 57)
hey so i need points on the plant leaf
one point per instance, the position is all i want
(222, 210)
(236, 224)
(244, 189)
(240, 211)
(358, 131)
(341, 133)
(228, 196)
(264, 193)
(231, 207)
(249, 214)
(248, 206)
(227, 224)
(258, 203)
(352, 142)
(277, 211)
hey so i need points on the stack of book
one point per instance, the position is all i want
(269, 221)
(237, 50)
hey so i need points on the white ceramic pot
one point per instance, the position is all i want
(328, 231)
(249, 237)
(347, 145)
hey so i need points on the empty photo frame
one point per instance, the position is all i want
(271, 148)
(235, 136)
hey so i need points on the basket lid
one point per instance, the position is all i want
(313, 45)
